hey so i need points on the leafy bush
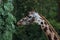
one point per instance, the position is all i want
(30, 32)
(7, 20)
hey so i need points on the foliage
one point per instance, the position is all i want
(30, 32)
(7, 21)
(47, 8)
(56, 25)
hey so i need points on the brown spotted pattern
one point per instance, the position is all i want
(44, 26)
(49, 31)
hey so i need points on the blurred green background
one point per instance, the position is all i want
(48, 8)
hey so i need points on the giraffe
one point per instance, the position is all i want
(45, 26)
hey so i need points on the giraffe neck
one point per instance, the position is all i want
(45, 26)
(49, 31)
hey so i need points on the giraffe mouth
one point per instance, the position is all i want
(19, 23)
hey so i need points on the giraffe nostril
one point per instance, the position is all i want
(23, 19)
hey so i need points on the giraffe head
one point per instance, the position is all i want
(26, 20)
(29, 20)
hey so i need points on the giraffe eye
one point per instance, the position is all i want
(29, 16)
